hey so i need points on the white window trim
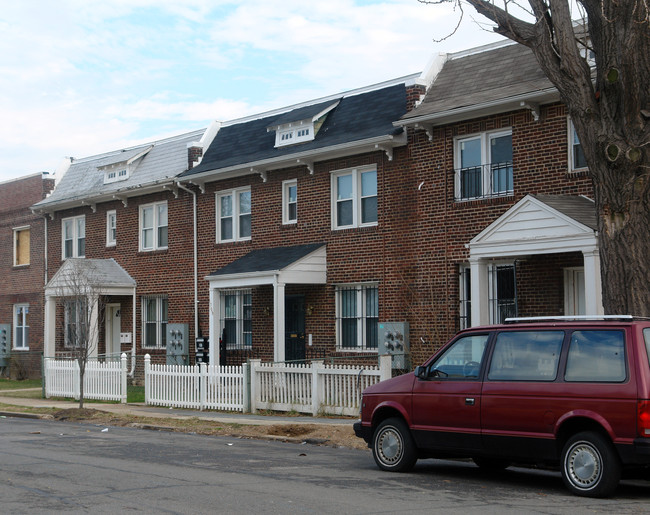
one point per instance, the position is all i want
(75, 236)
(159, 321)
(361, 327)
(485, 138)
(235, 214)
(570, 133)
(15, 231)
(291, 134)
(156, 226)
(111, 240)
(285, 201)
(15, 346)
(356, 173)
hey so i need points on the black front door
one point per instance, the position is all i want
(294, 327)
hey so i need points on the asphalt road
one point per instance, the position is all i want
(48, 466)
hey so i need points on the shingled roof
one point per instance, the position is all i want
(161, 161)
(358, 118)
(488, 76)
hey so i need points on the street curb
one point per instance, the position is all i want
(18, 414)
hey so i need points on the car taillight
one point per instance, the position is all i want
(643, 420)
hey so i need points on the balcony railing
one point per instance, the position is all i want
(484, 181)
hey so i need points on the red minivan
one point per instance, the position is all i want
(569, 393)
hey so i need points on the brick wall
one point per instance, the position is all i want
(23, 284)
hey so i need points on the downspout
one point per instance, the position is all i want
(196, 282)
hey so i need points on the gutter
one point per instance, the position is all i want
(196, 283)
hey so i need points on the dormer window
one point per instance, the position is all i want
(121, 170)
(112, 174)
(301, 124)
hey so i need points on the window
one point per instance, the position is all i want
(21, 246)
(354, 197)
(577, 159)
(153, 226)
(596, 356)
(154, 322)
(111, 227)
(237, 318)
(76, 322)
(357, 317)
(291, 135)
(526, 356)
(462, 360)
(465, 295)
(502, 296)
(234, 215)
(289, 202)
(484, 166)
(74, 237)
(21, 328)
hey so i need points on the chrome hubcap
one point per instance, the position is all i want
(390, 446)
(583, 465)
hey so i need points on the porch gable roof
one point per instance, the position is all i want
(300, 264)
(100, 276)
(539, 224)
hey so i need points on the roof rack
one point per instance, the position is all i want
(569, 318)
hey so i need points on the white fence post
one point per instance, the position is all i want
(123, 378)
(385, 367)
(203, 385)
(77, 381)
(316, 391)
(246, 387)
(254, 389)
(147, 377)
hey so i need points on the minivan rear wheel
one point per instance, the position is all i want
(590, 465)
(392, 446)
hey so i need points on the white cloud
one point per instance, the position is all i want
(79, 77)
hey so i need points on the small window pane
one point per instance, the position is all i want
(344, 213)
(226, 205)
(462, 360)
(526, 356)
(470, 153)
(368, 184)
(245, 202)
(226, 228)
(596, 356)
(245, 226)
(162, 236)
(344, 187)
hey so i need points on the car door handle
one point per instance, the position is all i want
(469, 401)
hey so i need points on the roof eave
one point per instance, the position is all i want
(385, 143)
(513, 103)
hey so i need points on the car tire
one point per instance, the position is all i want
(392, 446)
(491, 464)
(590, 465)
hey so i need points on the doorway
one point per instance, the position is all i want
(294, 326)
(113, 327)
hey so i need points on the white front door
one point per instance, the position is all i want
(113, 328)
(574, 291)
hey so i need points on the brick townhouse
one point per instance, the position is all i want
(22, 269)
(505, 222)
(453, 198)
(120, 220)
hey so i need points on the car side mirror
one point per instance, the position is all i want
(421, 372)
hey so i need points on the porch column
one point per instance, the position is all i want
(94, 326)
(479, 291)
(213, 327)
(278, 320)
(49, 336)
(593, 285)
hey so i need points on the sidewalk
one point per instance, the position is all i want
(141, 410)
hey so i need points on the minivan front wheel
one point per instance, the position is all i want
(393, 447)
(590, 465)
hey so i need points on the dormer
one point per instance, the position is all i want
(121, 170)
(302, 124)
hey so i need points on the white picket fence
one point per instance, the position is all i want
(196, 386)
(315, 388)
(104, 381)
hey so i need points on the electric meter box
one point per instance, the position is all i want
(178, 347)
(394, 340)
(5, 344)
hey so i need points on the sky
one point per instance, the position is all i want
(82, 77)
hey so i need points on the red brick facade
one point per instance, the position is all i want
(23, 284)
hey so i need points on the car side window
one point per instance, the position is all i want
(596, 356)
(526, 356)
(462, 360)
